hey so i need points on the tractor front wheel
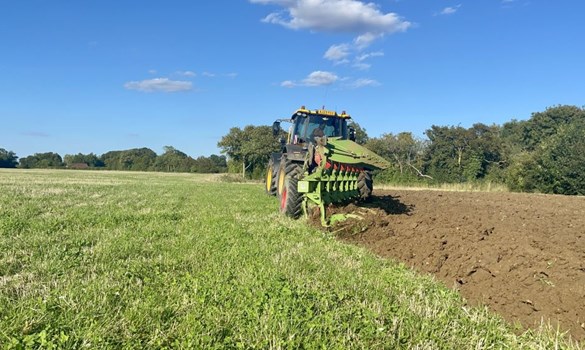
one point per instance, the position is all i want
(291, 200)
(271, 176)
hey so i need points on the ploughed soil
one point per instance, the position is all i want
(522, 255)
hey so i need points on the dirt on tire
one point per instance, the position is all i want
(521, 255)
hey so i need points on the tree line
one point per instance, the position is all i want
(545, 153)
(136, 159)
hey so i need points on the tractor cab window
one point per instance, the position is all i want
(311, 126)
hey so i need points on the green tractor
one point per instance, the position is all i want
(320, 163)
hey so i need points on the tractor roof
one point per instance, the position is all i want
(321, 112)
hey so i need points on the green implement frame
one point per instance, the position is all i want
(340, 167)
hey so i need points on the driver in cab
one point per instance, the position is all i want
(318, 131)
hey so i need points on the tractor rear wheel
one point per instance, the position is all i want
(270, 180)
(365, 185)
(291, 200)
(281, 175)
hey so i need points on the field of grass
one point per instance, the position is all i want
(146, 260)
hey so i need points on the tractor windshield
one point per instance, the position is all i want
(306, 128)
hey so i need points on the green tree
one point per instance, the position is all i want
(203, 165)
(251, 147)
(92, 160)
(361, 136)
(48, 160)
(446, 153)
(173, 160)
(8, 159)
(557, 166)
(457, 154)
(139, 159)
(472, 169)
(545, 151)
(404, 152)
(529, 134)
(220, 162)
(211, 164)
(522, 174)
(488, 156)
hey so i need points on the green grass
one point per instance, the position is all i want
(146, 260)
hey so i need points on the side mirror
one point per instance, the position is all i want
(276, 128)
(352, 134)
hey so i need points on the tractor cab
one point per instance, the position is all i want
(308, 124)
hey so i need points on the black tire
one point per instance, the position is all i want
(270, 179)
(291, 200)
(365, 185)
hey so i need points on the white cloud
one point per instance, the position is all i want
(345, 16)
(187, 73)
(367, 55)
(152, 71)
(449, 10)
(359, 60)
(320, 78)
(208, 74)
(316, 78)
(362, 66)
(359, 17)
(274, 18)
(159, 85)
(288, 84)
(362, 82)
(340, 54)
(337, 53)
(365, 40)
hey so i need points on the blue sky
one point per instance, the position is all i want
(94, 76)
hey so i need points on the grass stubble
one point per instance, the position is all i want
(143, 260)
